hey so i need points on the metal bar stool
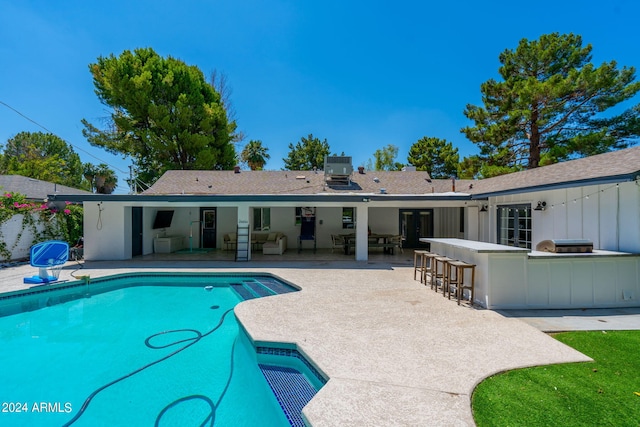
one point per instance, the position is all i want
(457, 281)
(439, 270)
(419, 263)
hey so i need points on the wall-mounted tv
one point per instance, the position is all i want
(163, 219)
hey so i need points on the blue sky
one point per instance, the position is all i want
(362, 74)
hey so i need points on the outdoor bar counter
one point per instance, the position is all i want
(510, 278)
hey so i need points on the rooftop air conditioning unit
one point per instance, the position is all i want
(337, 165)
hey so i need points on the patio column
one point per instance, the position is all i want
(362, 234)
(472, 223)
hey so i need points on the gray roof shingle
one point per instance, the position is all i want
(34, 189)
(295, 182)
(624, 164)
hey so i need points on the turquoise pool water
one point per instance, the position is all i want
(166, 353)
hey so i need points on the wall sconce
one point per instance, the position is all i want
(541, 206)
(483, 208)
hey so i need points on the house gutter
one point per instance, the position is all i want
(561, 185)
(302, 198)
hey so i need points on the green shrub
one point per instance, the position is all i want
(65, 224)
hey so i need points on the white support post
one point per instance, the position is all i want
(362, 232)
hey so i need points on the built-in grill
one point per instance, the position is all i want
(565, 246)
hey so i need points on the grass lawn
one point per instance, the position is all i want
(599, 393)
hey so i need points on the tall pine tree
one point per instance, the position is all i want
(551, 105)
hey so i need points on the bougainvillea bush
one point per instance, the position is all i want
(39, 221)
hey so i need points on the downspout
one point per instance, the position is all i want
(618, 217)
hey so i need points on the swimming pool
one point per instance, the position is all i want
(145, 349)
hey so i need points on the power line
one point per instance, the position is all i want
(138, 181)
(49, 131)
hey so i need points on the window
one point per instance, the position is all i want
(261, 219)
(514, 226)
(298, 216)
(348, 220)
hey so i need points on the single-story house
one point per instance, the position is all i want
(595, 198)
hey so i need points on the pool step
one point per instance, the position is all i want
(258, 289)
(245, 293)
(262, 287)
(275, 285)
(292, 390)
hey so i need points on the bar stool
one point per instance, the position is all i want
(457, 280)
(419, 263)
(439, 270)
(429, 258)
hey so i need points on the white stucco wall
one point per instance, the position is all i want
(105, 231)
(227, 223)
(18, 242)
(384, 220)
(331, 218)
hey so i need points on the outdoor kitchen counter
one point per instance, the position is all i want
(473, 245)
(595, 253)
(510, 278)
(498, 267)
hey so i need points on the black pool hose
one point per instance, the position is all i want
(197, 338)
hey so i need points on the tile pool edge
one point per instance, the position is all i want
(88, 281)
(285, 349)
(292, 396)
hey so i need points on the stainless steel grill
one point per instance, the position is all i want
(564, 246)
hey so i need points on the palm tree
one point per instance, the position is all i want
(255, 155)
(89, 172)
(101, 178)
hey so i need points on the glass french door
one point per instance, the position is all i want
(415, 224)
(208, 221)
(514, 225)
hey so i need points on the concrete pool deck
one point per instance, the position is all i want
(396, 353)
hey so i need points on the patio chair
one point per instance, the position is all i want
(337, 242)
(396, 241)
(307, 232)
(230, 240)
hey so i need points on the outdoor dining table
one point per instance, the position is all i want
(381, 240)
